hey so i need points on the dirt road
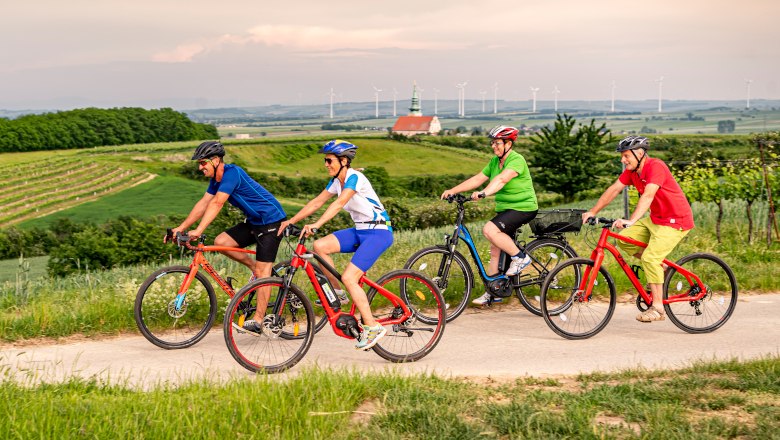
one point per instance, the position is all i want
(495, 342)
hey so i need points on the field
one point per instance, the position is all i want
(146, 180)
(677, 121)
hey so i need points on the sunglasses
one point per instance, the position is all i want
(203, 162)
(496, 142)
(328, 160)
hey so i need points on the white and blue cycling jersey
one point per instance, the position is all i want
(364, 207)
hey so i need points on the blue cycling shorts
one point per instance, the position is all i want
(367, 244)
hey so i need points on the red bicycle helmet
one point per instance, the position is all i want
(504, 132)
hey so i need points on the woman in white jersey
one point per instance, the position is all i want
(370, 237)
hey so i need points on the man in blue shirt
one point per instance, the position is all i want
(264, 214)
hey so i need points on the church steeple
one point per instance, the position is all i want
(414, 110)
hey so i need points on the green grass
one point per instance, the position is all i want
(713, 400)
(23, 269)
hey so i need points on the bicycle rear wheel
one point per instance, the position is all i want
(285, 337)
(546, 254)
(711, 311)
(415, 337)
(456, 286)
(160, 320)
(301, 280)
(577, 316)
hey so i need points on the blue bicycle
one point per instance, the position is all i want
(454, 277)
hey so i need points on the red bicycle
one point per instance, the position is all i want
(578, 296)
(414, 318)
(176, 306)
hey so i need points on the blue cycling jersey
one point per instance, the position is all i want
(259, 205)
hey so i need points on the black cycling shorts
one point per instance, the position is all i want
(509, 221)
(264, 236)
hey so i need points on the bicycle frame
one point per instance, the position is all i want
(299, 259)
(461, 232)
(588, 280)
(199, 260)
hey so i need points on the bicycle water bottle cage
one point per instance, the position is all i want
(306, 256)
(636, 268)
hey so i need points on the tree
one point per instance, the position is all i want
(726, 126)
(567, 161)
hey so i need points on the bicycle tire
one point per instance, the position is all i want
(715, 308)
(304, 284)
(157, 320)
(456, 288)
(577, 317)
(547, 254)
(414, 338)
(270, 351)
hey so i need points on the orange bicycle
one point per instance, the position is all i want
(176, 306)
(414, 316)
(578, 296)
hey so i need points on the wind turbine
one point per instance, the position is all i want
(747, 85)
(613, 96)
(660, 82)
(376, 100)
(483, 93)
(495, 98)
(555, 94)
(395, 95)
(435, 101)
(462, 98)
(533, 93)
(331, 95)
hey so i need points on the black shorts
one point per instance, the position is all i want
(264, 236)
(509, 221)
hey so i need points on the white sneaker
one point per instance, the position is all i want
(518, 265)
(485, 299)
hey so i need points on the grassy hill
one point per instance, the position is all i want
(99, 184)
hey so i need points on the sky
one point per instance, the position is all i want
(207, 54)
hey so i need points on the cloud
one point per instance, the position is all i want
(181, 54)
(307, 40)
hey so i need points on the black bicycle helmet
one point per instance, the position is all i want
(209, 149)
(632, 143)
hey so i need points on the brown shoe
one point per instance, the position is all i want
(650, 315)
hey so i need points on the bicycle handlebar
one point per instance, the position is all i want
(607, 222)
(460, 199)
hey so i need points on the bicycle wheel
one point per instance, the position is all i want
(155, 308)
(301, 280)
(546, 254)
(414, 338)
(456, 286)
(285, 337)
(577, 317)
(717, 305)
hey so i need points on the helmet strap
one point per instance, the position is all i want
(341, 165)
(638, 160)
(506, 151)
(219, 170)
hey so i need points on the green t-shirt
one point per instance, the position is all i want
(518, 194)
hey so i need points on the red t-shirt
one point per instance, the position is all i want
(670, 207)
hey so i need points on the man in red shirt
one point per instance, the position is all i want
(670, 217)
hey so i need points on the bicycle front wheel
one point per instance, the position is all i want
(285, 336)
(577, 315)
(170, 323)
(418, 334)
(715, 307)
(546, 254)
(456, 286)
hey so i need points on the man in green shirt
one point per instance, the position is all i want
(510, 181)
